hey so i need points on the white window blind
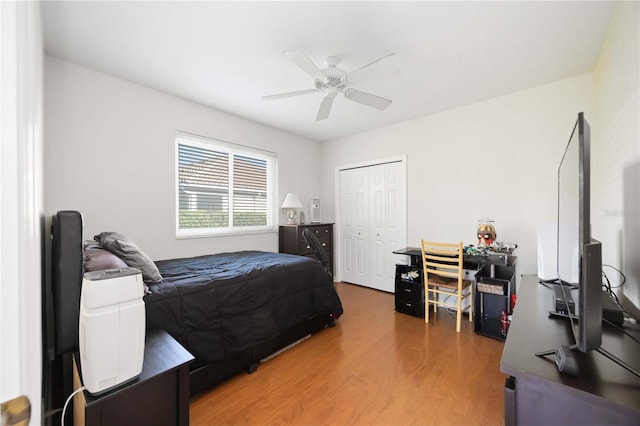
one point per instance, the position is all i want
(222, 187)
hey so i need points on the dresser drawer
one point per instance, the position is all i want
(304, 248)
(319, 230)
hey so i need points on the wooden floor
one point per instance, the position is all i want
(376, 367)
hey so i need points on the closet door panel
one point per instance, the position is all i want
(354, 222)
(396, 218)
(377, 225)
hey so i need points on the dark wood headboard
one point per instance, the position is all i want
(66, 271)
(61, 312)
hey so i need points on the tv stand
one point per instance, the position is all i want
(537, 393)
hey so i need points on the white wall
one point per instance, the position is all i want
(495, 159)
(109, 149)
(616, 146)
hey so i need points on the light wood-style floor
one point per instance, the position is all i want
(376, 367)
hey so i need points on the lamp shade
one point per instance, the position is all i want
(291, 201)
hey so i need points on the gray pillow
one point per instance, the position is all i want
(97, 259)
(131, 254)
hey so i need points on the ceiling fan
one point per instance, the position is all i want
(333, 80)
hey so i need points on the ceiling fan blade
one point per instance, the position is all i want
(288, 94)
(368, 72)
(367, 99)
(325, 108)
(301, 60)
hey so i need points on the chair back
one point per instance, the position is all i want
(442, 259)
(317, 248)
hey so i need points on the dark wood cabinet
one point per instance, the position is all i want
(159, 396)
(291, 240)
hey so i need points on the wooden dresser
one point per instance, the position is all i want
(291, 240)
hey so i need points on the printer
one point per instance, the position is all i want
(112, 328)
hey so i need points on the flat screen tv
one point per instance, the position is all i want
(579, 255)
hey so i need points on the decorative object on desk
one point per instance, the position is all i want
(410, 276)
(291, 203)
(502, 247)
(486, 232)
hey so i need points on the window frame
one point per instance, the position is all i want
(231, 149)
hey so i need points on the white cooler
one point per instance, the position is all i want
(112, 328)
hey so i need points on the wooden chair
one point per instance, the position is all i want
(442, 263)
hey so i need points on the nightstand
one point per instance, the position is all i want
(159, 396)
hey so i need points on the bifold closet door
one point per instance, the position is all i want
(372, 223)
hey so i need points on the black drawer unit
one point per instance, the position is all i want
(409, 291)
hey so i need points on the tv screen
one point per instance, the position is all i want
(569, 214)
(579, 256)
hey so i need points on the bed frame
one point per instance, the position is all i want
(61, 309)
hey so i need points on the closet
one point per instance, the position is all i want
(372, 222)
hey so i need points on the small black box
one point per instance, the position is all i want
(562, 305)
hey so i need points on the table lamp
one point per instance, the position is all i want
(291, 202)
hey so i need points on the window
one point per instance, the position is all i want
(223, 188)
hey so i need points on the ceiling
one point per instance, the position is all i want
(227, 55)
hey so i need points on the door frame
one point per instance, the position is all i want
(21, 205)
(338, 219)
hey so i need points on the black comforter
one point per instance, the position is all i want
(222, 304)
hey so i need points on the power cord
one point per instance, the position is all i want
(64, 410)
(624, 278)
(608, 288)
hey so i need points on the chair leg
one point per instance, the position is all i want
(426, 306)
(459, 313)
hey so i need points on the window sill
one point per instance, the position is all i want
(181, 235)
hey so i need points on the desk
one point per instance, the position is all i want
(488, 308)
(471, 262)
(536, 393)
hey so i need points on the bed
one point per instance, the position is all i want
(229, 310)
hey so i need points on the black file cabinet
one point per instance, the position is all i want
(409, 291)
(494, 286)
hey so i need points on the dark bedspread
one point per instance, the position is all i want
(221, 304)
